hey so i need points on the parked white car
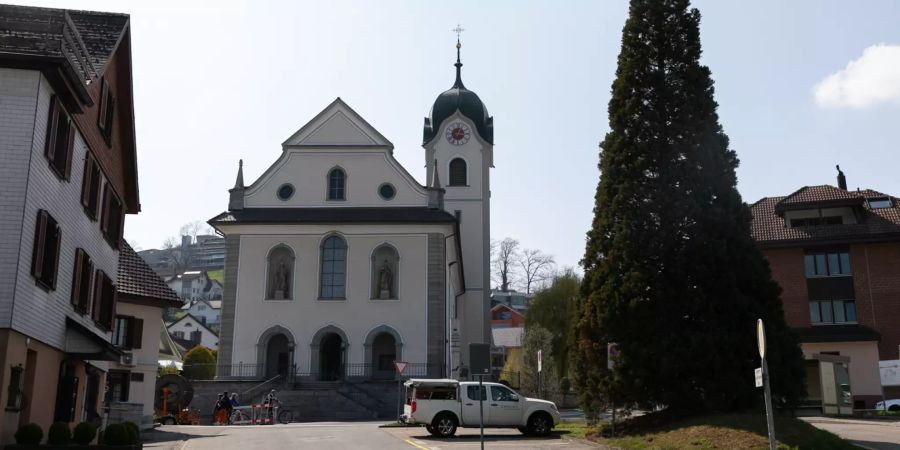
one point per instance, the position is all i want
(888, 405)
(442, 405)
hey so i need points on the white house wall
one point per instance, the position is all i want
(37, 312)
(207, 339)
(146, 358)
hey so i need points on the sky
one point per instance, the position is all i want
(801, 85)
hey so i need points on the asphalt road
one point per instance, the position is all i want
(871, 434)
(339, 435)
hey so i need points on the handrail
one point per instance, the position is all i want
(252, 388)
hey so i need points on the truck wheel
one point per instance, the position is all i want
(431, 430)
(522, 430)
(444, 425)
(540, 424)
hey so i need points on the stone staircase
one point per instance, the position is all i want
(311, 404)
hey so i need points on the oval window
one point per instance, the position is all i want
(286, 191)
(386, 191)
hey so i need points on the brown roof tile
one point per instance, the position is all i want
(137, 279)
(768, 226)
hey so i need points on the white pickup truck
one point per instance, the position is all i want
(442, 405)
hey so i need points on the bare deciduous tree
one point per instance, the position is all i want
(536, 267)
(504, 256)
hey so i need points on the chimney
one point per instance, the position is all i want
(841, 179)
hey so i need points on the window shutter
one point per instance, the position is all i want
(70, 145)
(88, 279)
(76, 276)
(40, 237)
(98, 294)
(110, 110)
(104, 216)
(52, 123)
(86, 183)
(57, 234)
(137, 329)
(101, 116)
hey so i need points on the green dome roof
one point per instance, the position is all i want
(466, 102)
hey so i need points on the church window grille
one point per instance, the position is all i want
(458, 172)
(336, 183)
(280, 272)
(334, 268)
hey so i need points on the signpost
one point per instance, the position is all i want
(540, 355)
(764, 374)
(400, 366)
(480, 364)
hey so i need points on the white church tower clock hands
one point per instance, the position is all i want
(458, 133)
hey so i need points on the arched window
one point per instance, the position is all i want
(336, 182)
(333, 280)
(385, 273)
(458, 172)
(280, 274)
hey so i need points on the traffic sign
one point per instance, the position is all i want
(539, 354)
(400, 366)
(612, 354)
(757, 372)
(761, 338)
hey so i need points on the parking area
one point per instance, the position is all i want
(870, 434)
(341, 436)
(468, 438)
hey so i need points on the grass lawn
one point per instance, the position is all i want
(218, 275)
(724, 431)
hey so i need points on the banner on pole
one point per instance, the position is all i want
(758, 375)
(539, 357)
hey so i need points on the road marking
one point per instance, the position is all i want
(414, 444)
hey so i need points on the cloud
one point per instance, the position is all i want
(872, 79)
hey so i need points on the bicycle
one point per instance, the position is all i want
(284, 415)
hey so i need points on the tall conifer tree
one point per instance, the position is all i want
(671, 273)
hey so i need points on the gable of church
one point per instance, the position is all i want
(337, 125)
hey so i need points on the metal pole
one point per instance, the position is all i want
(770, 419)
(481, 395)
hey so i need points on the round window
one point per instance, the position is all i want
(386, 191)
(286, 191)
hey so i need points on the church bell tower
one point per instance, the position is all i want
(458, 138)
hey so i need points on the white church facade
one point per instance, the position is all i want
(339, 262)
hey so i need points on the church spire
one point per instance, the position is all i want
(435, 180)
(458, 84)
(239, 182)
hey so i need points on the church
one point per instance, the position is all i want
(339, 262)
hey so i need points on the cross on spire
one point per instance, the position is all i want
(458, 30)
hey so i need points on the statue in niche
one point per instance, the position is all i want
(282, 283)
(385, 281)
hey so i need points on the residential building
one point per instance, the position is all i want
(196, 285)
(203, 253)
(69, 174)
(836, 254)
(518, 301)
(206, 311)
(339, 262)
(505, 316)
(131, 380)
(189, 332)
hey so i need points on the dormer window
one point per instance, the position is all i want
(880, 202)
(812, 221)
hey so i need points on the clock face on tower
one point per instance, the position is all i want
(458, 133)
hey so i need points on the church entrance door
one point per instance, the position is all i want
(278, 356)
(331, 357)
(384, 354)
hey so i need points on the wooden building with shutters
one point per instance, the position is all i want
(68, 177)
